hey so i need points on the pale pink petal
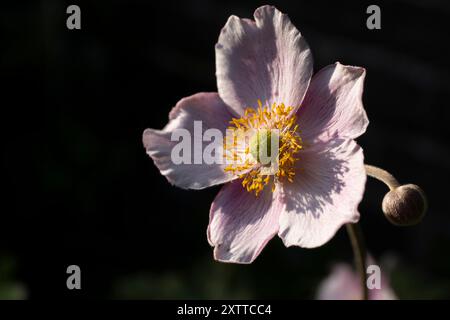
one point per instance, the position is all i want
(213, 113)
(333, 106)
(240, 224)
(324, 195)
(342, 284)
(385, 292)
(266, 59)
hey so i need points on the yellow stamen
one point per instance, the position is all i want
(251, 133)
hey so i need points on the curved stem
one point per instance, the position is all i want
(382, 175)
(359, 252)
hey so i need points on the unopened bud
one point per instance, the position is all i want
(405, 205)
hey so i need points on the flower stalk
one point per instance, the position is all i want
(382, 175)
(359, 252)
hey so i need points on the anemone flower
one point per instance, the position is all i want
(264, 79)
(344, 284)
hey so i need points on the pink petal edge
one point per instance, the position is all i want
(266, 59)
(205, 107)
(325, 194)
(333, 106)
(241, 224)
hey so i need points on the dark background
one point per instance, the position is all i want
(78, 187)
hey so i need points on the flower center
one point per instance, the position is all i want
(262, 146)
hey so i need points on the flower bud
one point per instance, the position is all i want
(405, 205)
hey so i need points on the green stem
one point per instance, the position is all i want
(359, 252)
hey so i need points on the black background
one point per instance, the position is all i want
(78, 187)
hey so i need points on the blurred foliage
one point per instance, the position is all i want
(10, 289)
(205, 280)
